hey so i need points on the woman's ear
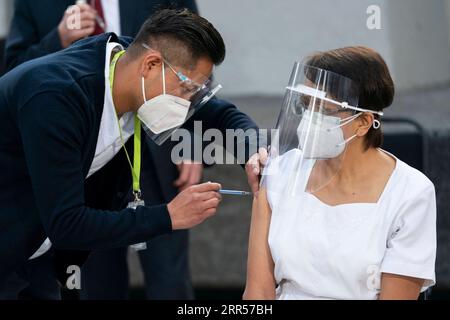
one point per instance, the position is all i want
(365, 123)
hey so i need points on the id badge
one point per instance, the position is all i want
(133, 205)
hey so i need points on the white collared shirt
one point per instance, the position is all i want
(108, 142)
(111, 12)
(323, 251)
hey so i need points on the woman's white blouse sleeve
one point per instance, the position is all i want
(411, 246)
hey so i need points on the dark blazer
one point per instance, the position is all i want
(34, 31)
(34, 34)
(51, 110)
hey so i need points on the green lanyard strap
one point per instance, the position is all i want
(136, 167)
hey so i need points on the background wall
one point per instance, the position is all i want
(265, 37)
(5, 16)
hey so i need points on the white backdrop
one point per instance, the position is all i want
(265, 37)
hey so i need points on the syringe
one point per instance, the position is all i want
(235, 192)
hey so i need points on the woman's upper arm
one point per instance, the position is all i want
(260, 267)
(398, 287)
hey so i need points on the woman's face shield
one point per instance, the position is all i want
(310, 142)
(198, 90)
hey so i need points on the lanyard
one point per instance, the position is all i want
(136, 167)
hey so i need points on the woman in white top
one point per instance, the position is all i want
(361, 228)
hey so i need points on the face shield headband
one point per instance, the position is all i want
(320, 94)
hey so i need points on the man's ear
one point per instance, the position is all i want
(365, 123)
(150, 62)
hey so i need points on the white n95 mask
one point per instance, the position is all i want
(163, 112)
(321, 136)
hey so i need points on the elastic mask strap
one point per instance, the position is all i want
(349, 119)
(347, 141)
(346, 121)
(164, 78)
(376, 125)
(143, 89)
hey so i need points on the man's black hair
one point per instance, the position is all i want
(181, 36)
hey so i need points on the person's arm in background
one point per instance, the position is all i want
(260, 284)
(191, 173)
(398, 287)
(23, 42)
(223, 115)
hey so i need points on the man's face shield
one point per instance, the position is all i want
(197, 90)
(309, 147)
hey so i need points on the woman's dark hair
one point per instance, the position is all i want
(177, 33)
(369, 73)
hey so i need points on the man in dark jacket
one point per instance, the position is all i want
(37, 31)
(53, 108)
